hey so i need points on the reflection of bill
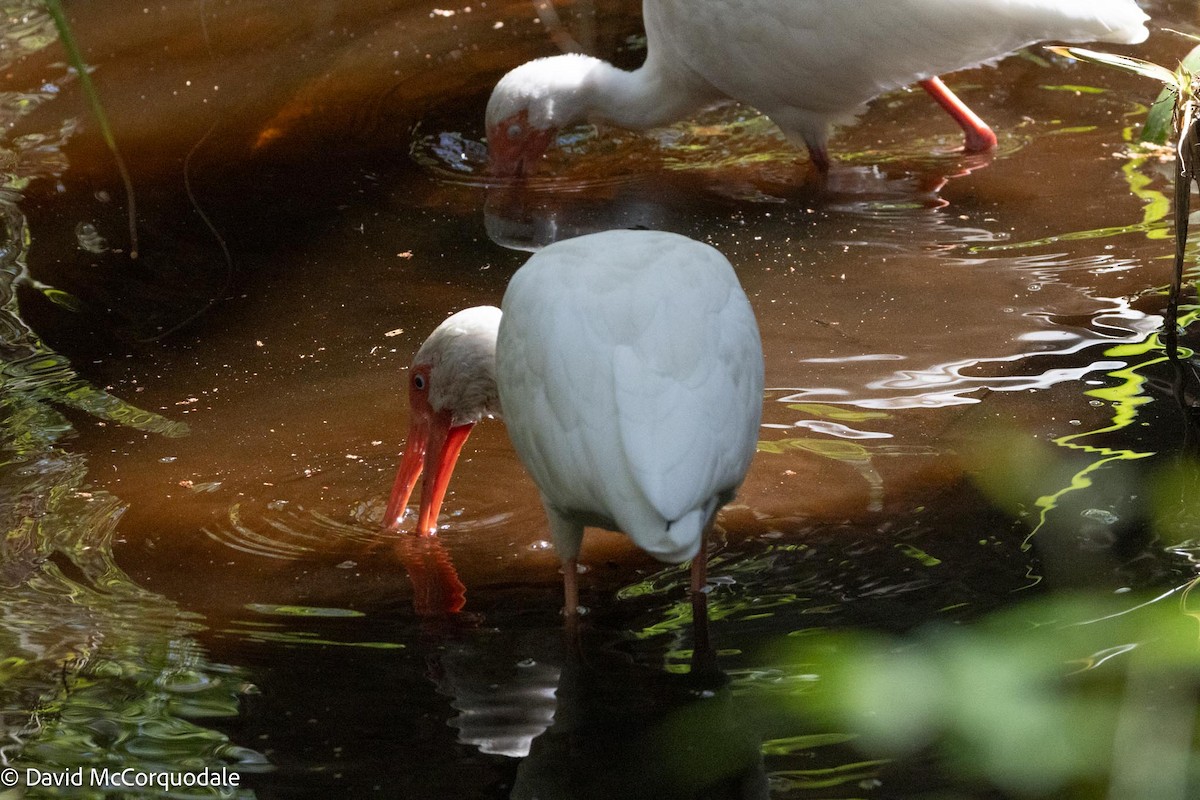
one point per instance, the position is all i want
(436, 586)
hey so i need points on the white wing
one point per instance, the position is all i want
(630, 372)
(689, 385)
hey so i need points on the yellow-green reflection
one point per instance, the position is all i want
(722, 605)
(838, 412)
(301, 611)
(852, 454)
(1138, 174)
(1012, 467)
(306, 638)
(1125, 398)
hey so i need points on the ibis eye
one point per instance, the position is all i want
(515, 130)
(419, 382)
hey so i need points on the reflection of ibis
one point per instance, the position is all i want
(629, 368)
(806, 64)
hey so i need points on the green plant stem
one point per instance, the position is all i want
(1185, 174)
(89, 91)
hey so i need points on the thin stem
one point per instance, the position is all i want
(89, 91)
(1185, 174)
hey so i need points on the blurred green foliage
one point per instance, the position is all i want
(1078, 696)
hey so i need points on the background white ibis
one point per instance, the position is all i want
(630, 372)
(806, 64)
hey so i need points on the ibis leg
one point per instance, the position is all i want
(570, 571)
(703, 657)
(700, 570)
(978, 136)
(818, 154)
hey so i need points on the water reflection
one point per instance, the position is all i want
(525, 220)
(282, 533)
(886, 218)
(586, 720)
(503, 685)
(852, 700)
(622, 730)
(96, 671)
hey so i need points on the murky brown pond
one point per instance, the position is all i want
(958, 568)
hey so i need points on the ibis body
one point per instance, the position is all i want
(628, 368)
(806, 64)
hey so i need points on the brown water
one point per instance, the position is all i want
(970, 440)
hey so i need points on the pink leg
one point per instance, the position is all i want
(699, 572)
(978, 136)
(570, 570)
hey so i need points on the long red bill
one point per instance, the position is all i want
(433, 448)
(445, 443)
(406, 476)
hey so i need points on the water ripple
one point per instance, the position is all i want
(294, 534)
(960, 382)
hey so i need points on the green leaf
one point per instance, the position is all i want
(918, 554)
(61, 298)
(837, 412)
(1191, 62)
(1135, 65)
(1160, 119)
(796, 744)
(302, 611)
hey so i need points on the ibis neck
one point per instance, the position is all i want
(478, 397)
(461, 357)
(644, 98)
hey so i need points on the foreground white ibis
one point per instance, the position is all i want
(628, 368)
(806, 64)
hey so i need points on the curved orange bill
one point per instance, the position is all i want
(433, 448)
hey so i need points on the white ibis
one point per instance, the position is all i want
(806, 64)
(628, 368)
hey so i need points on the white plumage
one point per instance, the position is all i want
(629, 371)
(807, 64)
